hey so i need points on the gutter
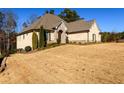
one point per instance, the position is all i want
(82, 31)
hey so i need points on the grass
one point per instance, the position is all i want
(52, 45)
(90, 43)
(102, 63)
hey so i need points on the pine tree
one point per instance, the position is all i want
(45, 38)
(41, 37)
(69, 15)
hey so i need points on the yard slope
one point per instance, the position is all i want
(100, 63)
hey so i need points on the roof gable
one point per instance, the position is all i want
(80, 25)
(48, 21)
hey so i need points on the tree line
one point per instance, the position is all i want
(112, 36)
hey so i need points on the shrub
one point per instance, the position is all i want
(42, 38)
(12, 51)
(74, 42)
(34, 41)
(1, 56)
(20, 50)
(58, 41)
(27, 48)
(80, 43)
(70, 42)
(67, 41)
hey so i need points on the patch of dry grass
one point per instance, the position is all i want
(100, 63)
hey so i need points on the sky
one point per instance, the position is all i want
(108, 19)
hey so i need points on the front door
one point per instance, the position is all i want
(94, 37)
(59, 36)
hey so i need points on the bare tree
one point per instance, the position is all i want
(10, 26)
(33, 18)
(2, 16)
(29, 21)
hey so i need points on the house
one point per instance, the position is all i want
(58, 29)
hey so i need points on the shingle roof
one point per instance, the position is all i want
(48, 21)
(80, 25)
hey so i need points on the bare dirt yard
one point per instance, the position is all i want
(100, 63)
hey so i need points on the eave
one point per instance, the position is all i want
(82, 31)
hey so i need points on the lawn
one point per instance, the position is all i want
(100, 63)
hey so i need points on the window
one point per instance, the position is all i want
(20, 37)
(49, 37)
(24, 36)
(94, 37)
(46, 35)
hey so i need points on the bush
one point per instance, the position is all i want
(58, 41)
(74, 42)
(20, 50)
(12, 51)
(1, 56)
(79, 43)
(27, 48)
(34, 40)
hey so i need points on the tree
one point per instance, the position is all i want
(10, 24)
(49, 12)
(121, 35)
(25, 25)
(2, 44)
(11, 21)
(42, 38)
(45, 38)
(29, 21)
(33, 18)
(105, 36)
(13, 42)
(46, 12)
(34, 41)
(69, 15)
(2, 16)
(111, 36)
